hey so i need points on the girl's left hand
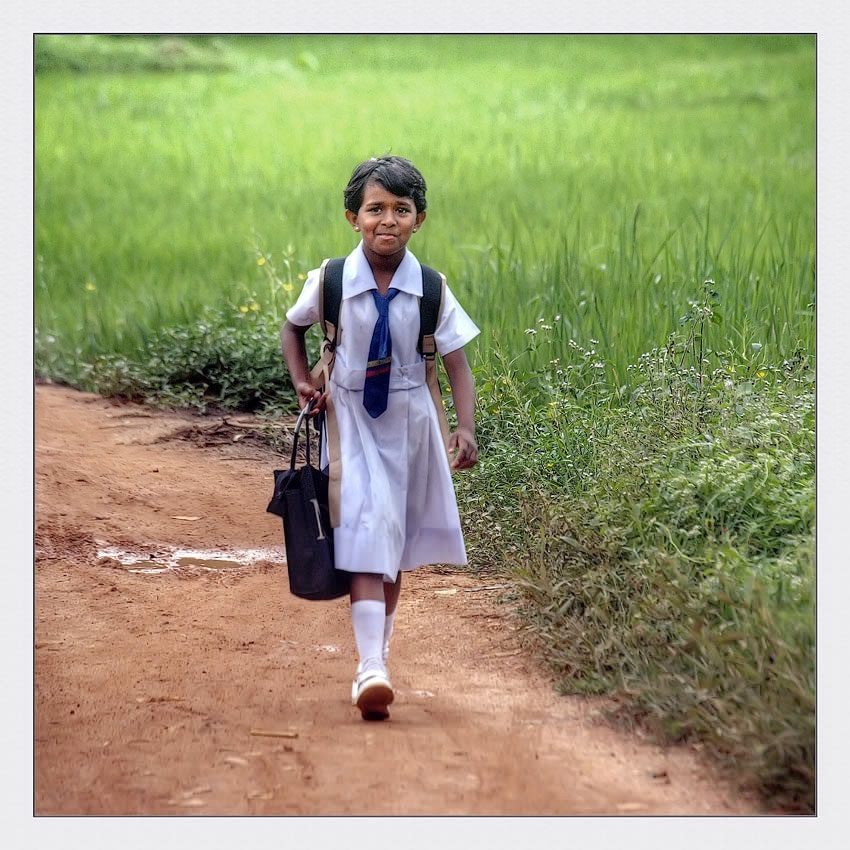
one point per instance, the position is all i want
(462, 444)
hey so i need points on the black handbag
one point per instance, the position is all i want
(301, 498)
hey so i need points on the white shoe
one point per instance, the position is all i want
(384, 656)
(372, 692)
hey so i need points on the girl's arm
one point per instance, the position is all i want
(295, 354)
(462, 441)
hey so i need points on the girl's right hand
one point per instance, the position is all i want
(307, 393)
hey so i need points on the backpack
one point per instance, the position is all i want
(430, 304)
(330, 300)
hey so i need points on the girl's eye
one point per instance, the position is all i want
(378, 210)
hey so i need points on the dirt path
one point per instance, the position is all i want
(152, 681)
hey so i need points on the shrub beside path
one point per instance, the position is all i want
(205, 688)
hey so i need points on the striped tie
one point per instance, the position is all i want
(377, 386)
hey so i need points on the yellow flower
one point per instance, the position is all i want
(90, 287)
(261, 261)
(243, 309)
(254, 306)
(761, 373)
(288, 287)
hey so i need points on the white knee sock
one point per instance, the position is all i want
(367, 619)
(388, 631)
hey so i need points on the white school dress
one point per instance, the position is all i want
(398, 508)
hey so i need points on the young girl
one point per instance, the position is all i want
(397, 504)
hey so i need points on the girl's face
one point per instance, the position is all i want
(386, 221)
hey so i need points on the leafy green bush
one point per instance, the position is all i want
(663, 536)
(227, 359)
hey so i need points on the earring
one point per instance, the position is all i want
(357, 228)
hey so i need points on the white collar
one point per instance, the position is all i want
(357, 275)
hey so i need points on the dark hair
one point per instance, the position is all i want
(395, 174)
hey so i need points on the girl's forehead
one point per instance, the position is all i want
(374, 191)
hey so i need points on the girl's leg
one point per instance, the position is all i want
(391, 594)
(371, 691)
(367, 586)
(368, 614)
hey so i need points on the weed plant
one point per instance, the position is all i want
(663, 537)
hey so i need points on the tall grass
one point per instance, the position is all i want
(599, 178)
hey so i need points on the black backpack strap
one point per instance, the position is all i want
(330, 298)
(429, 309)
(430, 305)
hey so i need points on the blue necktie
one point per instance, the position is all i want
(377, 386)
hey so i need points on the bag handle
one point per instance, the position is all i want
(304, 415)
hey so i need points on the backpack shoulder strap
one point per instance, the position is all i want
(430, 305)
(330, 298)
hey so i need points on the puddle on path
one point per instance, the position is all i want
(168, 558)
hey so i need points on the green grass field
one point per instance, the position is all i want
(631, 222)
(599, 178)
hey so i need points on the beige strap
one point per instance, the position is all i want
(332, 437)
(325, 363)
(429, 352)
(320, 376)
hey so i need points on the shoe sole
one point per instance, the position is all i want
(373, 701)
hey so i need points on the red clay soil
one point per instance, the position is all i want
(175, 674)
